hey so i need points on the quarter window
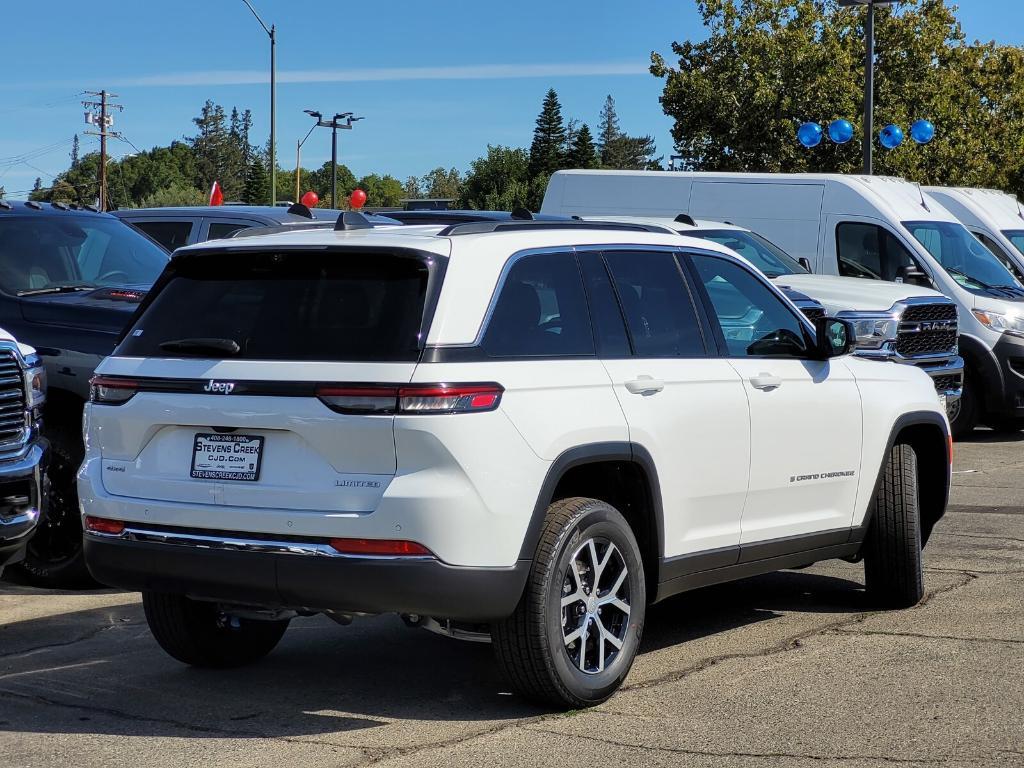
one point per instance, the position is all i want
(754, 321)
(170, 234)
(871, 251)
(659, 312)
(541, 310)
(220, 229)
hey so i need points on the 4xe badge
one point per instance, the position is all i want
(219, 387)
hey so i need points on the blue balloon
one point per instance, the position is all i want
(840, 131)
(891, 136)
(922, 131)
(809, 134)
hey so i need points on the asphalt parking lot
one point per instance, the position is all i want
(788, 669)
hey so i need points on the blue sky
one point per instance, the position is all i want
(436, 81)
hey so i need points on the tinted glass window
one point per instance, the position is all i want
(51, 253)
(1016, 236)
(870, 251)
(754, 321)
(961, 254)
(170, 234)
(219, 229)
(287, 306)
(766, 256)
(541, 310)
(609, 327)
(659, 313)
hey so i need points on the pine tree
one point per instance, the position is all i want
(583, 153)
(38, 185)
(546, 151)
(609, 130)
(74, 151)
(257, 183)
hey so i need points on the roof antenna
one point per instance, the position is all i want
(921, 193)
(522, 214)
(685, 218)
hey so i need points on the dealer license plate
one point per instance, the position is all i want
(226, 457)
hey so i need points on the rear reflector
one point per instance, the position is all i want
(411, 398)
(103, 525)
(392, 547)
(110, 390)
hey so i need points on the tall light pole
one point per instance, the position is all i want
(298, 149)
(869, 78)
(272, 33)
(335, 126)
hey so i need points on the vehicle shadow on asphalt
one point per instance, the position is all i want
(100, 671)
(983, 436)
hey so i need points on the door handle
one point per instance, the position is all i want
(765, 381)
(645, 385)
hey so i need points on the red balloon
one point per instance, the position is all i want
(310, 199)
(357, 199)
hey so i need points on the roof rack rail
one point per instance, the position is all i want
(685, 218)
(59, 206)
(33, 204)
(483, 227)
(278, 228)
(352, 220)
(5, 204)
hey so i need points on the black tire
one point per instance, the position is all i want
(966, 417)
(54, 557)
(1007, 425)
(893, 571)
(200, 634)
(531, 646)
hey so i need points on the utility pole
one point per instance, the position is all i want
(272, 34)
(103, 120)
(335, 126)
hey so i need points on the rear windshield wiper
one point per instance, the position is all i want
(56, 289)
(200, 346)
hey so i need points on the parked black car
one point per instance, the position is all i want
(70, 280)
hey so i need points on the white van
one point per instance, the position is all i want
(994, 217)
(868, 227)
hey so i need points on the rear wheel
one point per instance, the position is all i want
(203, 635)
(577, 628)
(893, 571)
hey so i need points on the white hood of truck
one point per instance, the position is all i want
(26, 350)
(839, 294)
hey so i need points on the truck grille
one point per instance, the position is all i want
(928, 329)
(13, 424)
(948, 383)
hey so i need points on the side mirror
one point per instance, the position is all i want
(833, 337)
(805, 263)
(912, 275)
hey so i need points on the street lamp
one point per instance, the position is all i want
(298, 148)
(272, 33)
(869, 76)
(335, 126)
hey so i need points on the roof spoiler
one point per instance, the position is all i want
(352, 220)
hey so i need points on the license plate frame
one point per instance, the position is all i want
(210, 470)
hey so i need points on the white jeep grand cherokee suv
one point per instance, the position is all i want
(528, 429)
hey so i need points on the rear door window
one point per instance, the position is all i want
(286, 306)
(541, 310)
(656, 302)
(170, 234)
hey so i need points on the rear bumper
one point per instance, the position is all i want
(301, 575)
(21, 499)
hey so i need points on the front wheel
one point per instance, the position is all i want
(893, 571)
(203, 635)
(573, 637)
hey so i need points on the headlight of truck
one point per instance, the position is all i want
(873, 332)
(35, 382)
(1011, 324)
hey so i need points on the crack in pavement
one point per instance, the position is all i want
(923, 636)
(762, 755)
(977, 536)
(82, 638)
(190, 727)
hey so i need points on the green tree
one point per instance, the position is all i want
(617, 149)
(738, 96)
(74, 151)
(583, 153)
(498, 181)
(175, 194)
(320, 182)
(608, 126)
(257, 183)
(381, 191)
(442, 183)
(547, 153)
(411, 190)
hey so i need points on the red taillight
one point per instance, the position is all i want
(103, 525)
(110, 390)
(380, 547)
(411, 398)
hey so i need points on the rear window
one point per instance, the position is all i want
(286, 306)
